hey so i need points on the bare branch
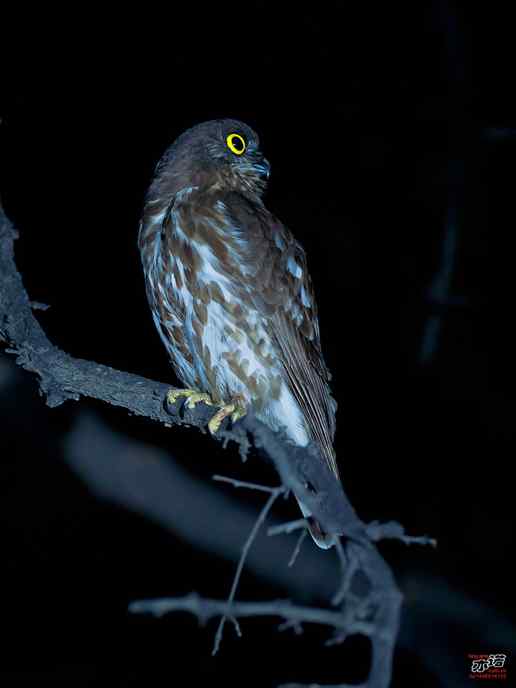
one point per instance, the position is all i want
(297, 548)
(252, 535)
(243, 483)
(392, 530)
(289, 527)
(205, 609)
(302, 469)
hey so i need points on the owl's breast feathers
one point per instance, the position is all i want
(233, 301)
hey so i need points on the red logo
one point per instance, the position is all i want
(488, 666)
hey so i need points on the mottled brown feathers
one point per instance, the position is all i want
(229, 287)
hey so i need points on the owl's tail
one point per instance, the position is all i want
(321, 539)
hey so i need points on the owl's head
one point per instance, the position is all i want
(223, 153)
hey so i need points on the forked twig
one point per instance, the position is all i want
(274, 494)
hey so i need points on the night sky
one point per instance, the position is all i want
(389, 136)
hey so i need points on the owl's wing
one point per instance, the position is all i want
(282, 289)
(296, 331)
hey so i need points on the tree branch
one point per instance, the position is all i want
(205, 609)
(302, 469)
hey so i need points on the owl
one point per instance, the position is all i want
(230, 293)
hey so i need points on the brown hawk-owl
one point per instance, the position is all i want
(230, 292)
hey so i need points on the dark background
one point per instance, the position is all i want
(389, 133)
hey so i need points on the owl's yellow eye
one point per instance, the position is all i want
(236, 144)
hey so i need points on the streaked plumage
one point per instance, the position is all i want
(229, 288)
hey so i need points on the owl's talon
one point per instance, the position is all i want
(235, 411)
(238, 413)
(192, 397)
(217, 419)
(197, 398)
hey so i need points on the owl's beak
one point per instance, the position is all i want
(263, 168)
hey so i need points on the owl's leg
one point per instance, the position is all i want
(235, 409)
(193, 397)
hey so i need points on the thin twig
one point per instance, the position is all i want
(242, 483)
(288, 527)
(392, 530)
(252, 535)
(294, 624)
(349, 566)
(297, 548)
